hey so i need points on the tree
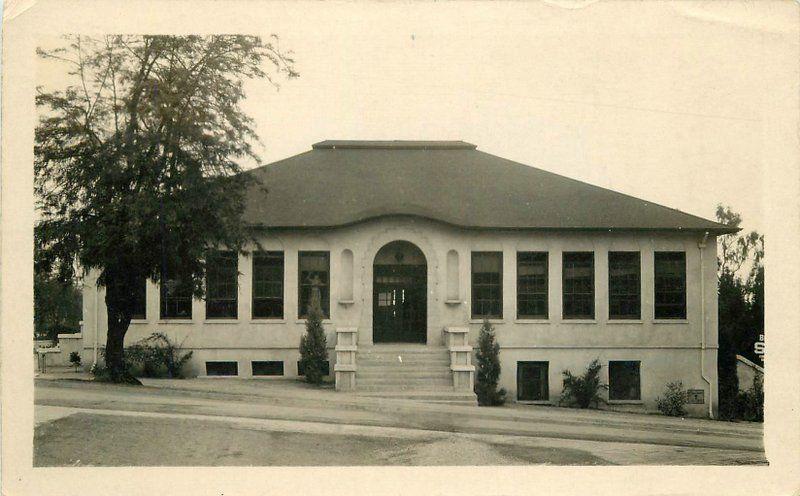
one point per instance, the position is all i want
(313, 344)
(137, 161)
(56, 307)
(488, 369)
(740, 305)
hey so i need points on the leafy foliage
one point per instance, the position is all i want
(75, 359)
(157, 356)
(488, 368)
(750, 403)
(673, 403)
(582, 390)
(56, 307)
(740, 306)
(137, 160)
(313, 344)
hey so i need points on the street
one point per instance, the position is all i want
(278, 422)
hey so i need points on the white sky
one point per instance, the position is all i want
(664, 104)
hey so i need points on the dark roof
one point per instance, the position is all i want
(344, 182)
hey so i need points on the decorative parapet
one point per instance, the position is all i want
(456, 339)
(346, 348)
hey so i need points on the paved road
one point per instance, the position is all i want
(298, 420)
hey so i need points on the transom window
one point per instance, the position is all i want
(578, 285)
(222, 286)
(268, 285)
(532, 285)
(313, 275)
(624, 381)
(487, 285)
(624, 285)
(670, 285)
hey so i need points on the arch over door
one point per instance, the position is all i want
(399, 294)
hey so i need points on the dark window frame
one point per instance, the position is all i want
(222, 296)
(272, 298)
(615, 391)
(182, 298)
(139, 311)
(304, 289)
(571, 297)
(267, 370)
(545, 387)
(624, 290)
(669, 301)
(494, 288)
(222, 362)
(527, 294)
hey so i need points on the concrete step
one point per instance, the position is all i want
(368, 373)
(449, 397)
(389, 383)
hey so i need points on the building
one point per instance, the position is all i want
(414, 243)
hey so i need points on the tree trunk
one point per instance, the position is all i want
(119, 298)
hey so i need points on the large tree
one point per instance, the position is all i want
(138, 161)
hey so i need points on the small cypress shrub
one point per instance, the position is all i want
(673, 403)
(313, 344)
(488, 368)
(582, 390)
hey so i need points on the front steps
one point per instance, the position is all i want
(409, 371)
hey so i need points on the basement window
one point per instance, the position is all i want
(222, 368)
(271, 367)
(624, 382)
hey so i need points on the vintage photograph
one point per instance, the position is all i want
(391, 240)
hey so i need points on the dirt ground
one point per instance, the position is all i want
(103, 440)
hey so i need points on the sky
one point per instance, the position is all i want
(665, 105)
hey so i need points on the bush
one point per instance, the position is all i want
(673, 403)
(156, 356)
(75, 359)
(313, 344)
(750, 403)
(584, 390)
(488, 368)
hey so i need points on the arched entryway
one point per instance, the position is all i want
(399, 294)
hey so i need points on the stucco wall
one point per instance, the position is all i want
(669, 350)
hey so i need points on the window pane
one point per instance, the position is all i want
(532, 285)
(623, 380)
(533, 381)
(670, 285)
(272, 367)
(578, 285)
(222, 368)
(222, 285)
(268, 285)
(139, 310)
(314, 274)
(176, 297)
(624, 285)
(487, 285)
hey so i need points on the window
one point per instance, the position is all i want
(624, 285)
(487, 285)
(274, 367)
(326, 369)
(623, 381)
(670, 285)
(314, 274)
(533, 381)
(176, 297)
(222, 368)
(139, 310)
(531, 285)
(222, 285)
(578, 285)
(268, 285)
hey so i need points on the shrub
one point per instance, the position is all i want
(156, 356)
(75, 359)
(313, 344)
(488, 369)
(583, 390)
(750, 403)
(673, 403)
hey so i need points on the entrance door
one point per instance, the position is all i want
(532, 381)
(399, 307)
